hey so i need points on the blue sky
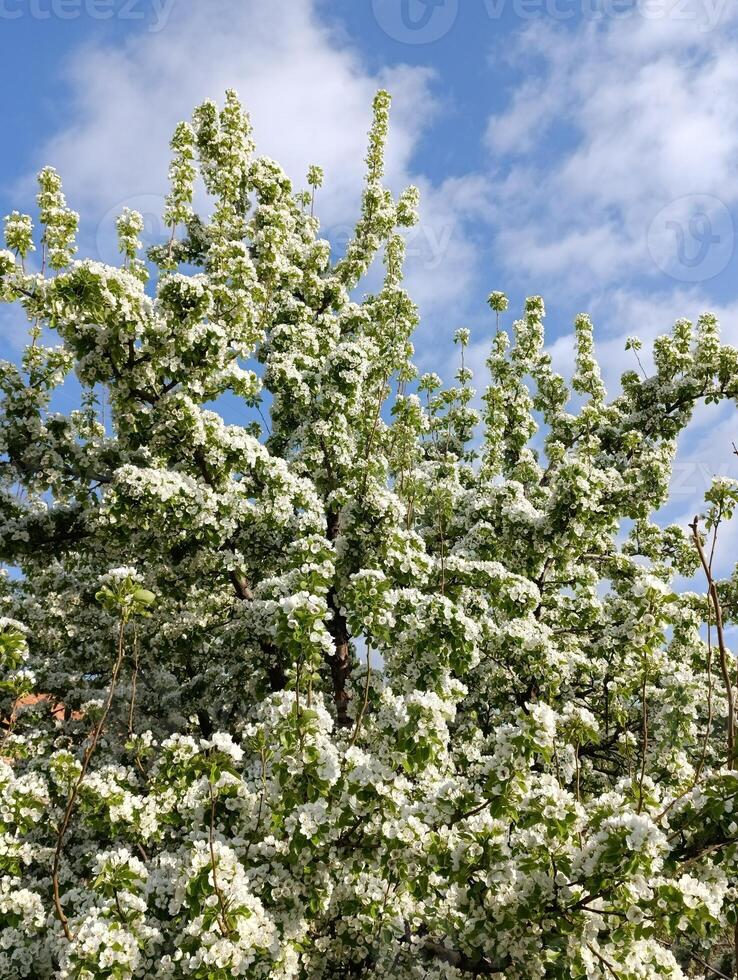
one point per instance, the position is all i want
(586, 150)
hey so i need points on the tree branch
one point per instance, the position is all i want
(477, 966)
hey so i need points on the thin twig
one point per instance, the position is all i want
(644, 700)
(223, 918)
(134, 678)
(86, 758)
(365, 702)
(602, 960)
(724, 666)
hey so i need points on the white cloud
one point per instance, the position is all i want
(309, 100)
(309, 96)
(615, 121)
(442, 255)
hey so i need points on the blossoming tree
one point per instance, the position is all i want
(350, 685)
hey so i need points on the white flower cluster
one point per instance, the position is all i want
(304, 673)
